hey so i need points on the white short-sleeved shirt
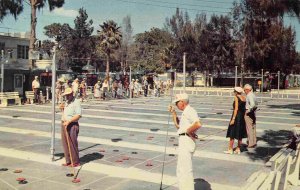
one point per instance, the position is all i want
(72, 109)
(35, 84)
(188, 117)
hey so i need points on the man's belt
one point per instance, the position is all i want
(184, 134)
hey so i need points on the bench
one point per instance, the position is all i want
(284, 169)
(89, 94)
(5, 96)
(279, 158)
(260, 180)
(293, 175)
(29, 96)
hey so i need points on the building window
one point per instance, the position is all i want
(22, 52)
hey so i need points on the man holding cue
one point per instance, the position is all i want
(187, 126)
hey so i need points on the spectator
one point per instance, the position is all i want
(35, 89)
(237, 126)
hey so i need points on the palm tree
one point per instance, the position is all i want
(12, 7)
(38, 4)
(110, 38)
(16, 7)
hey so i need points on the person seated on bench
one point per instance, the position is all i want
(295, 138)
(35, 89)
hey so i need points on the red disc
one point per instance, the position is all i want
(20, 179)
(77, 180)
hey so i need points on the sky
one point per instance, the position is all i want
(144, 14)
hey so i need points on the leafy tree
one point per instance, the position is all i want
(149, 49)
(220, 27)
(110, 38)
(76, 45)
(80, 47)
(264, 32)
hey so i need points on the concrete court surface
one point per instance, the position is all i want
(122, 145)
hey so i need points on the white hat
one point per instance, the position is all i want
(238, 89)
(179, 97)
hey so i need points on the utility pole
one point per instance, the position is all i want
(130, 81)
(278, 86)
(262, 80)
(52, 149)
(184, 76)
(235, 77)
(2, 70)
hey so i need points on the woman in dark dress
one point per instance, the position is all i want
(237, 125)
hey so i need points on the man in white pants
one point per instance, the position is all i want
(187, 126)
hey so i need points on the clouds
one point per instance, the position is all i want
(65, 12)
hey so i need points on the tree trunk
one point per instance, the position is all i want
(33, 26)
(107, 65)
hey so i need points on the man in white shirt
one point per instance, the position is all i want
(187, 126)
(250, 117)
(35, 88)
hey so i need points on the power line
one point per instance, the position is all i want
(171, 7)
(191, 5)
(211, 1)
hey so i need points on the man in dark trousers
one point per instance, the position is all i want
(70, 128)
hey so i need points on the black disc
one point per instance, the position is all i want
(69, 175)
(23, 182)
(133, 152)
(3, 169)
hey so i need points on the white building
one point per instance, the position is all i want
(17, 66)
(16, 48)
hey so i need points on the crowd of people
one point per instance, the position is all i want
(134, 88)
(106, 89)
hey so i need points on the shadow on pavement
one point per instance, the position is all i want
(91, 157)
(59, 155)
(274, 140)
(201, 184)
(89, 147)
(288, 106)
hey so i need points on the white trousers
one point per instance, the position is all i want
(186, 149)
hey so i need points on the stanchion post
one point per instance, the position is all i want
(52, 149)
